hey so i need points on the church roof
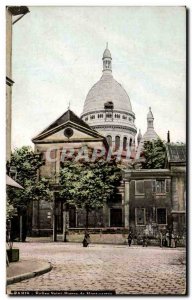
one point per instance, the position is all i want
(107, 54)
(150, 135)
(107, 89)
(150, 114)
(176, 152)
(68, 116)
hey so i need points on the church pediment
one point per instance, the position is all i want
(68, 132)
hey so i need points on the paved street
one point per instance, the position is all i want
(134, 270)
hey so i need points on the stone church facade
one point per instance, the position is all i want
(149, 201)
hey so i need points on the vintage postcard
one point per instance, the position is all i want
(96, 150)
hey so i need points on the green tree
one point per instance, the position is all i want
(27, 164)
(10, 210)
(87, 185)
(155, 154)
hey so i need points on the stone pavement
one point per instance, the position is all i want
(134, 270)
(25, 269)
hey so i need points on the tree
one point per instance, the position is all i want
(87, 185)
(10, 210)
(27, 163)
(155, 154)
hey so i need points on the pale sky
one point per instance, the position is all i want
(57, 58)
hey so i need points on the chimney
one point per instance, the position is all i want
(168, 137)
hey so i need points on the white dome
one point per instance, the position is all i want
(107, 89)
(108, 110)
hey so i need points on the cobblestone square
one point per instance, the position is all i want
(134, 270)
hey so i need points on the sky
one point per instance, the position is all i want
(57, 58)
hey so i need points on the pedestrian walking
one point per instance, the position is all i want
(130, 237)
(86, 240)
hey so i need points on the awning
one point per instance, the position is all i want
(11, 182)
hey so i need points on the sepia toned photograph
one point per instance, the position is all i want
(96, 150)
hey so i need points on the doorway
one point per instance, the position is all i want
(116, 217)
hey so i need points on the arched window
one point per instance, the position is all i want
(117, 142)
(125, 143)
(109, 140)
(130, 142)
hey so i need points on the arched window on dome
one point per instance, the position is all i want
(125, 143)
(109, 140)
(117, 142)
(130, 142)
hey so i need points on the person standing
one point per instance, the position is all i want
(172, 240)
(176, 241)
(130, 237)
(145, 241)
(167, 238)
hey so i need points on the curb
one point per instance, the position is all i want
(29, 275)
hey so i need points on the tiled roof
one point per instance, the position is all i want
(67, 116)
(176, 152)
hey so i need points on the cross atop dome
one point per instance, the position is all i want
(107, 60)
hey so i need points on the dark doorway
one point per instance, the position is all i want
(72, 217)
(116, 217)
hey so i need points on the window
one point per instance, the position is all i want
(140, 216)
(160, 186)
(124, 117)
(92, 117)
(109, 140)
(130, 119)
(117, 116)
(130, 142)
(100, 115)
(125, 143)
(86, 119)
(109, 115)
(167, 185)
(117, 142)
(161, 216)
(139, 187)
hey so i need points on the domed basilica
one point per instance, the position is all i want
(108, 110)
(147, 202)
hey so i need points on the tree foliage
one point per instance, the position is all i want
(155, 154)
(27, 163)
(87, 185)
(10, 210)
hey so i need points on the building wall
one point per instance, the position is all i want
(43, 211)
(8, 82)
(178, 189)
(147, 203)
